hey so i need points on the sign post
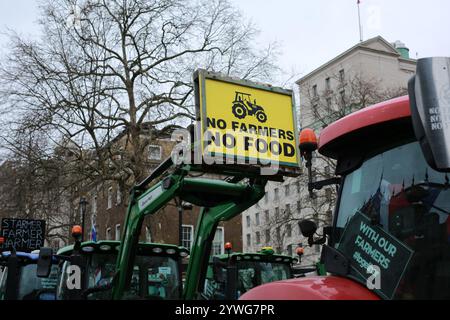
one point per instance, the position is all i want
(246, 123)
(22, 234)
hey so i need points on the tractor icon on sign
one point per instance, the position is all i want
(243, 106)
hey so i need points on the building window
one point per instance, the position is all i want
(275, 194)
(328, 194)
(288, 230)
(108, 234)
(315, 107)
(289, 250)
(278, 233)
(328, 84)
(258, 237)
(299, 206)
(248, 221)
(286, 190)
(118, 196)
(267, 236)
(342, 93)
(148, 235)
(329, 217)
(287, 209)
(154, 152)
(342, 75)
(314, 89)
(218, 242)
(318, 248)
(257, 220)
(110, 196)
(117, 232)
(94, 205)
(329, 103)
(297, 186)
(277, 214)
(187, 236)
(249, 240)
(266, 216)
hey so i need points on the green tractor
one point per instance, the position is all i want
(230, 275)
(243, 106)
(156, 272)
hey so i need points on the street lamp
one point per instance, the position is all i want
(83, 204)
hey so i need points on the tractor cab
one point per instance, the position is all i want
(20, 278)
(390, 237)
(155, 275)
(231, 275)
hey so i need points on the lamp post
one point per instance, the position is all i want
(83, 204)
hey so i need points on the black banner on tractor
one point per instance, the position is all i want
(23, 234)
(368, 246)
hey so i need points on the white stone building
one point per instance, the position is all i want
(381, 69)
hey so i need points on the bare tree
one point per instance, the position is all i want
(34, 185)
(109, 67)
(108, 77)
(349, 95)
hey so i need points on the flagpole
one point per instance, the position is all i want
(359, 21)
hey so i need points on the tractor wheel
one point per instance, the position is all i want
(239, 111)
(261, 116)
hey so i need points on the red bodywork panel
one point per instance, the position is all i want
(383, 112)
(311, 288)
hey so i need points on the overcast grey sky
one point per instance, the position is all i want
(311, 31)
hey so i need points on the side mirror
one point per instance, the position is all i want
(218, 267)
(308, 228)
(429, 93)
(44, 263)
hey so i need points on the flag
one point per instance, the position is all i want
(93, 233)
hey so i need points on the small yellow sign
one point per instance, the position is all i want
(247, 121)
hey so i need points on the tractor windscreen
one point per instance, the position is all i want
(251, 273)
(154, 277)
(254, 273)
(394, 216)
(30, 286)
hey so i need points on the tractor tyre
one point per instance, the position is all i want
(261, 116)
(239, 111)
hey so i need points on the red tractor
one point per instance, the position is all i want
(390, 237)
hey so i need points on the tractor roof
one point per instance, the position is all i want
(110, 246)
(354, 128)
(264, 257)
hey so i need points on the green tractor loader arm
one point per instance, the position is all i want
(222, 200)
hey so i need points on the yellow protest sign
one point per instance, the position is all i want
(246, 120)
